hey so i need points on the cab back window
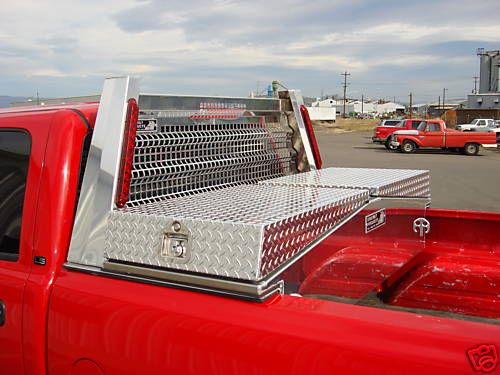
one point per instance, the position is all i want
(15, 148)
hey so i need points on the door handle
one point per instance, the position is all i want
(2, 313)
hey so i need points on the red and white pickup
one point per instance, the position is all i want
(162, 234)
(434, 134)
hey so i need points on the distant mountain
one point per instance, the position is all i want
(6, 100)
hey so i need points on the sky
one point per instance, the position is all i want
(224, 47)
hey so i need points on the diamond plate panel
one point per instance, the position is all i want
(242, 232)
(390, 183)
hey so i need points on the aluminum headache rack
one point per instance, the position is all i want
(212, 193)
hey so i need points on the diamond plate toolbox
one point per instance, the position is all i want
(243, 232)
(385, 183)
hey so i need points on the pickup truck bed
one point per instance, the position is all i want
(185, 331)
(128, 327)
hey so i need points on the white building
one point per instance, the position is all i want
(388, 108)
(369, 107)
(323, 110)
(318, 108)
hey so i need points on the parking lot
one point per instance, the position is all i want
(457, 181)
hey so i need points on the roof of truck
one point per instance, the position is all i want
(37, 108)
(87, 110)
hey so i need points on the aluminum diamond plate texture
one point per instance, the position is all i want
(241, 232)
(186, 155)
(390, 183)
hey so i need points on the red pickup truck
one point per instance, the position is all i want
(163, 234)
(434, 134)
(382, 133)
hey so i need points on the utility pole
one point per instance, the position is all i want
(444, 109)
(37, 98)
(476, 79)
(345, 74)
(411, 105)
(439, 102)
(362, 102)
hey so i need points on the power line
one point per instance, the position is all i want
(345, 74)
(444, 103)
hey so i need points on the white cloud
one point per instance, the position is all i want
(403, 33)
(239, 42)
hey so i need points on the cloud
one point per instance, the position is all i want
(227, 46)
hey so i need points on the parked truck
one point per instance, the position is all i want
(477, 123)
(434, 134)
(382, 133)
(154, 234)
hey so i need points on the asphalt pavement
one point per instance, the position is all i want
(457, 181)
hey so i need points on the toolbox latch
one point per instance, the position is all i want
(175, 243)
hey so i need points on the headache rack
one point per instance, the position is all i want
(212, 193)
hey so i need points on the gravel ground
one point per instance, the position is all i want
(457, 181)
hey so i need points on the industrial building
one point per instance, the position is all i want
(355, 107)
(488, 96)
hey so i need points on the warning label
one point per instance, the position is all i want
(375, 220)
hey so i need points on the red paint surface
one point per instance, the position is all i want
(311, 136)
(353, 272)
(382, 132)
(13, 275)
(57, 140)
(129, 328)
(457, 269)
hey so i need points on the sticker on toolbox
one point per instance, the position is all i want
(147, 125)
(375, 220)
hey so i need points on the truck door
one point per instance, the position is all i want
(17, 205)
(434, 136)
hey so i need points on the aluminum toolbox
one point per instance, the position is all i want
(244, 232)
(387, 183)
(223, 193)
